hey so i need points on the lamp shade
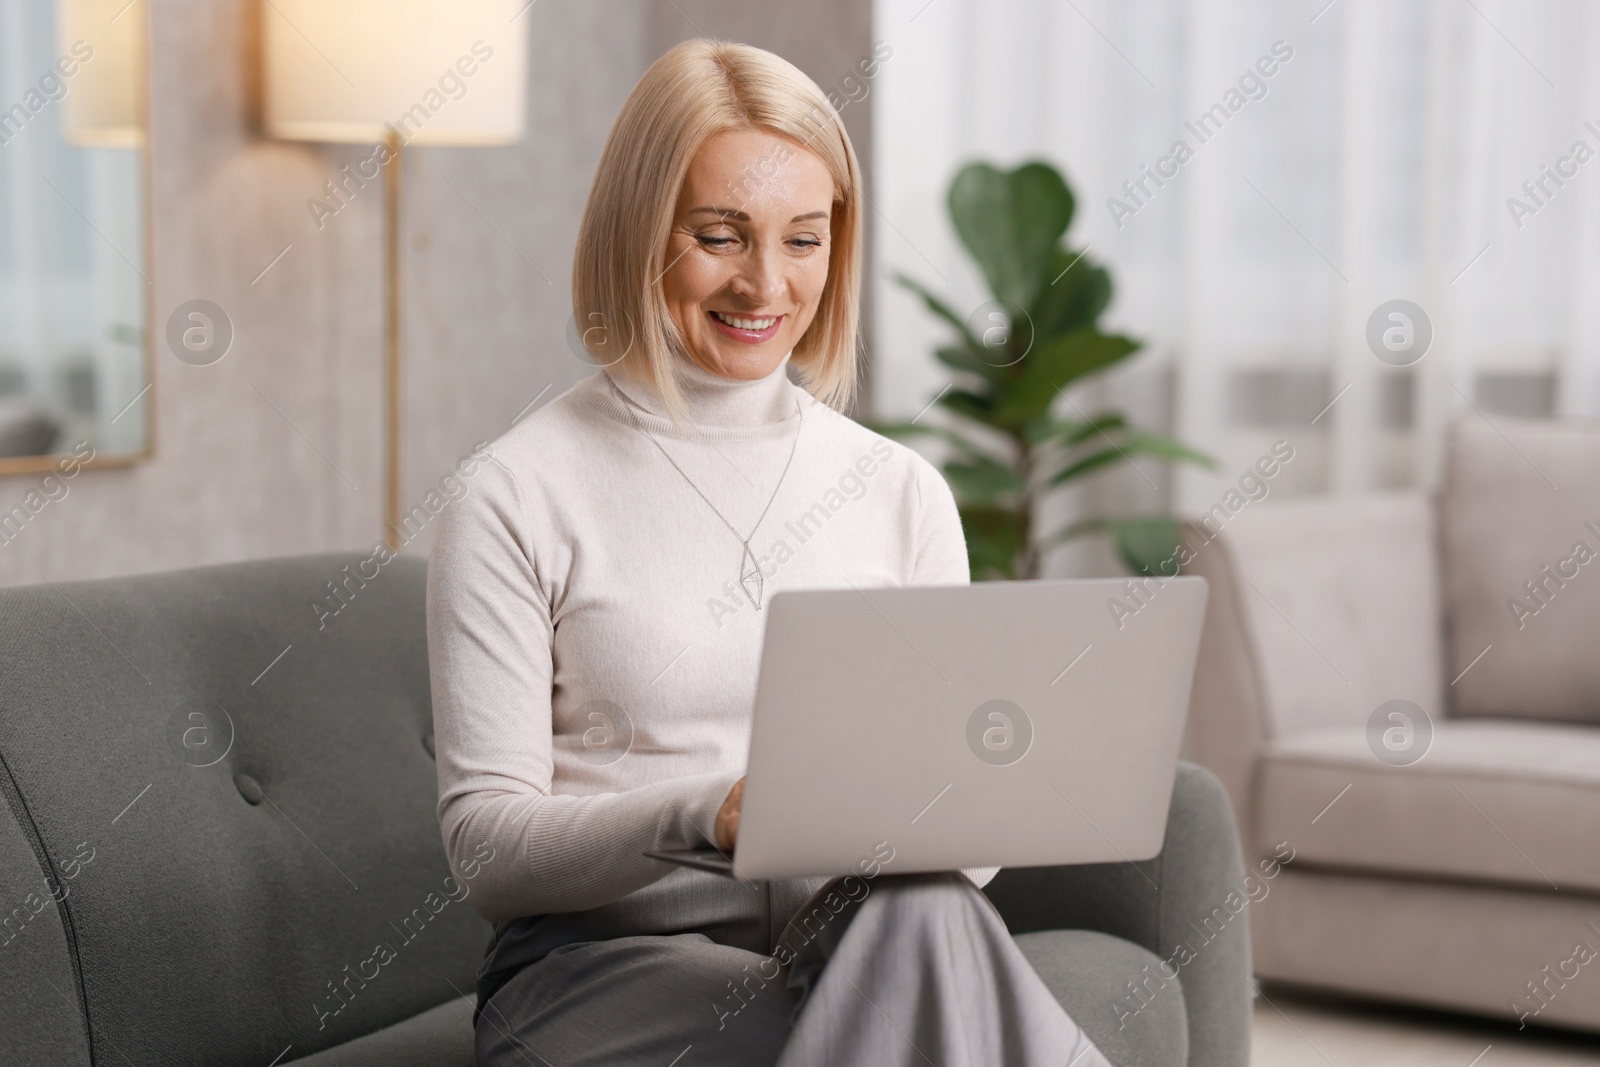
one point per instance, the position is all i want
(433, 72)
(104, 41)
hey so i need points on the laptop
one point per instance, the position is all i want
(1012, 724)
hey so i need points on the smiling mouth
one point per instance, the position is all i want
(754, 325)
(746, 329)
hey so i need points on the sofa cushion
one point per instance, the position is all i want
(439, 1037)
(1520, 523)
(1440, 944)
(1084, 969)
(1340, 604)
(1507, 801)
(1144, 1024)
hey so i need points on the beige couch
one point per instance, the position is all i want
(1461, 871)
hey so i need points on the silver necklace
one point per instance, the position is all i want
(750, 577)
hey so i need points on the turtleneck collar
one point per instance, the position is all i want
(715, 402)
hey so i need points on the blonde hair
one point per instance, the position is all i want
(698, 89)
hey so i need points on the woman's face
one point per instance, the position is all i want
(747, 258)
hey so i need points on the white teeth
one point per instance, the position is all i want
(744, 324)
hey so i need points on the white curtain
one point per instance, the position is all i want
(1383, 158)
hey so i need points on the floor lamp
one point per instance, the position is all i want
(105, 107)
(390, 74)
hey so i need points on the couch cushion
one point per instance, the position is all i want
(1083, 968)
(1340, 604)
(1520, 519)
(439, 1037)
(1448, 945)
(1508, 801)
(1089, 973)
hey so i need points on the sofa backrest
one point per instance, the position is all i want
(218, 843)
(1520, 517)
(1337, 602)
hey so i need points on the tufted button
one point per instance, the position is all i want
(427, 743)
(249, 788)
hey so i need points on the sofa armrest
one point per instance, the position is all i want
(41, 996)
(1177, 905)
(1228, 723)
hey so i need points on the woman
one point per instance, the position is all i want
(595, 613)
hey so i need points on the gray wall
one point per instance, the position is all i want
(278, 448)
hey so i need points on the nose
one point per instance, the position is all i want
(760, 275)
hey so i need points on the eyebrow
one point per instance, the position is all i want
(740, 216)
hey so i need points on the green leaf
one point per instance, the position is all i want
(1148, 545)
(1072, 530)
(940, 308)
(1087, 465)
(1155, 444)
(1076, 432)
(1040, 430)
(982, 481)
(1053, 365)
(1073, 294)
(979, 407)
(901, 431)
(1125, 446)
(967, 361)
(994, 539)
(1011, 221)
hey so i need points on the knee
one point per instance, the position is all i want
(933, 893)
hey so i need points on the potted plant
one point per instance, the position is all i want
(1013, 358)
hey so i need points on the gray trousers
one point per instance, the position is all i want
(914, 969)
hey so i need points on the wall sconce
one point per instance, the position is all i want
(105, 107)
(393, 73)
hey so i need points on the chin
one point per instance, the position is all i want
(747, 364)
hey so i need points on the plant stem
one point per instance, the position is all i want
(1027, 564)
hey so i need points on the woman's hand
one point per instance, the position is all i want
(727, 828)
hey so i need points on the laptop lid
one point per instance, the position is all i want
(1004, 723)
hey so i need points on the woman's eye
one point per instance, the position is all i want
(805, 242)
(713, 242)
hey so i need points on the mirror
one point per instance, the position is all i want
(74, 272)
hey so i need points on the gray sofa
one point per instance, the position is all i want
(1446, 847)
(219, 847)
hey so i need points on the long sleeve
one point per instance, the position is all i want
(490, 640)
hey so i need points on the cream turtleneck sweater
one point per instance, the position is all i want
(593, 658)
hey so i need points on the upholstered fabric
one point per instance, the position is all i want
(40, 1021)
(439, 1037)
(1153, 905)
(1455, 946)
(1339, 600)
(1504, 800)
(1150, 1029)
(1520, 518)
(1228, 721)
(215, 909)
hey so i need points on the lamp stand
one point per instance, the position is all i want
(393, 395)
